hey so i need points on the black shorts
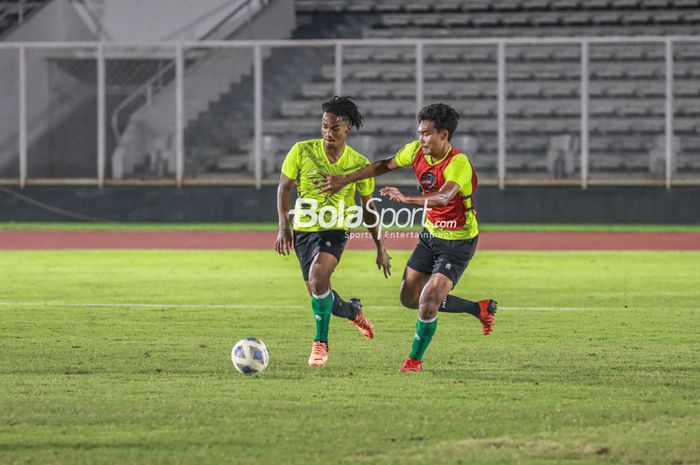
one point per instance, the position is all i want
(435, 255)
(308, 244)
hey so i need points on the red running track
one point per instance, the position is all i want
(49, 240)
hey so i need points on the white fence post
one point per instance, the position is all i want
(338, 69)
(179, 114)
(419, 76)
(501, 115)
(101, 115)
(585, 156)
(22, 116)
(669, 112)
(258, 104)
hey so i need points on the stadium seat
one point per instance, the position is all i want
(396, 20)
(654, 3)
(515, 20)
(565, 4)
(560, 156)
(531, 4)
(657, 156)
(467, 144)
(625, 4)
(685, 3)
(626, 81)
(365, 144)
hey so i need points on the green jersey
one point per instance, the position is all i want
(313, 212)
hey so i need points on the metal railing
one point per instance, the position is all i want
(102, 53)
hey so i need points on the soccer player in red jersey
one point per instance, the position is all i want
(448, 240)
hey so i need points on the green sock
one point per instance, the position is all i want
(424, 334)
(322, 307)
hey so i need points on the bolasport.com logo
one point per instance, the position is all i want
(307, 215)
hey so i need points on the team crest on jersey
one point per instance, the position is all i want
(428, 182)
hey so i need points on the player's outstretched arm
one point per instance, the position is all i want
(436, 199)
(285, 241)
(371, 218)
(330, 184)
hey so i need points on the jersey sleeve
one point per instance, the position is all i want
(459, 171)
(405, 156)
(365, 186)
(291, 165)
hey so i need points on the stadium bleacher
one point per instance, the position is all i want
(626, 88)
(543, 82)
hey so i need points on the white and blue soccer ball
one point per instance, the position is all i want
(250, 356)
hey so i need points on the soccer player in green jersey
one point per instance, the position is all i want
(448, 240)
(322, 223)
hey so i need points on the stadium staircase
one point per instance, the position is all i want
(213, 150)
(146, 147)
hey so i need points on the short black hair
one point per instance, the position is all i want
(344, 107)
(442, 115)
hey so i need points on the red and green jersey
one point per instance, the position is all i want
(456, 220)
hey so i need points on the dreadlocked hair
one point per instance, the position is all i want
(343, 107)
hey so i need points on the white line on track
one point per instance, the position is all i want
(251, 306)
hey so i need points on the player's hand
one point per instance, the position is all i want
(284, 242)
(384, 262)
(330, 184)
(393, 193)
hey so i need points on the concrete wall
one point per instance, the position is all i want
(162, 20)
(58, 21)
(229, 204)
(124, 20)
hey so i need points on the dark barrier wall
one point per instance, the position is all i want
(226, 204)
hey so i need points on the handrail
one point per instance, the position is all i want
(145, 88)
(339, 44)
(296, 43)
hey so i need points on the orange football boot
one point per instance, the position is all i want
(361, 322)
(319, 354)
(488, 309)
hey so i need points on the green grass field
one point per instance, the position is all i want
(115, 357)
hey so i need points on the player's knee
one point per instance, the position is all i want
(318, 285)
(429, 303)
(408, 297)
(409, 300)
(427, 313)
(315, 287)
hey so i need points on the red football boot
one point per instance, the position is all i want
(411, 364)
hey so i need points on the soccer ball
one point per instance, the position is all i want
(250, 356)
